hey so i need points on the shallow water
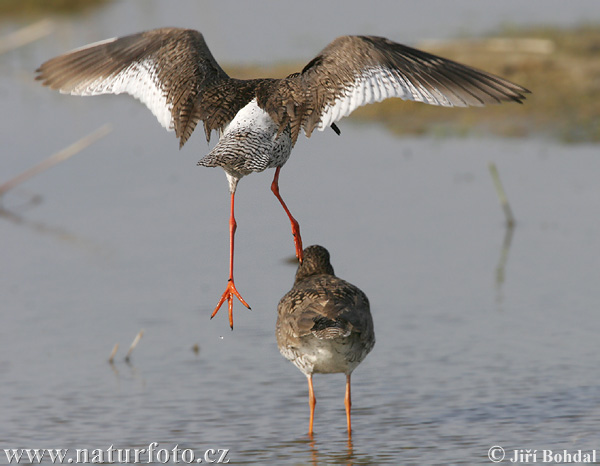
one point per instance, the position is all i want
(481, 340)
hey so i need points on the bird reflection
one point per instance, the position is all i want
(348, 457)
(324, 325)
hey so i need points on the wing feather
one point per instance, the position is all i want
(357, 70)
(169, 70)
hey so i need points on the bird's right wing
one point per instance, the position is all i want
(357, 70)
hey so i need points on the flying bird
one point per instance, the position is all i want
(172, 71)
(324, 325)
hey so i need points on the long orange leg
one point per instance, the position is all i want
(231, 290)
(312, 402)
(348, 403)
(295, 225)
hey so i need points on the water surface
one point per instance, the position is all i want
(477, 345)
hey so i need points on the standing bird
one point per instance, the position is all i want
(172, 71)
(324, 325)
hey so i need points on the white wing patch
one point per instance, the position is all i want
(140, 80)
(94, 44)
(374, 85)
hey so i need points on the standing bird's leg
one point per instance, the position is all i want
(295, 225)
(312, 402)
(348, 404)
(231, 290)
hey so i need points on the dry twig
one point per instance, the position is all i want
(136, 340)
(26, 35)
(60, 156)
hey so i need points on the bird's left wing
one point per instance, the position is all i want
(166, 69)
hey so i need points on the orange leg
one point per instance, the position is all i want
(348, 403)
(231, 290)
(295, 225)
(312, 402)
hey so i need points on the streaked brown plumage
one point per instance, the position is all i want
(324, 324)
(173, 72)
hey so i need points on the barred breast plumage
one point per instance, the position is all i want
(249, 143)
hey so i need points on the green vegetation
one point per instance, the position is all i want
(560, 67)
(12, 8)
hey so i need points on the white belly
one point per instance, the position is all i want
(313, 355)
(251, 117)
(249, 143)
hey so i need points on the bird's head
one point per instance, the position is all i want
(315, 262)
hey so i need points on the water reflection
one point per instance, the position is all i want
(59, 233)
(32, 200)
(509, 225)
(132, 372)
(343, 457)
(502, 261)
(527, 373)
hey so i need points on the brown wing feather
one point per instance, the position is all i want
(171, 70)
(285, 101)
(326, 307)
(357, 70)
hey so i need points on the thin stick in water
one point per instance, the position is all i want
(26, 35)
(60, 156)
(510, 219)
(111, 359)
(136, 340)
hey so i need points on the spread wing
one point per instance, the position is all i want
(170, 70)
(357, 70)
